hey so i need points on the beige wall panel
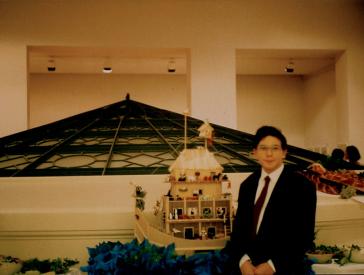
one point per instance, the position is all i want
(320, 112)
(213, 88)
(271, 100)
(53, 97)
(356, 99)
(13, 87)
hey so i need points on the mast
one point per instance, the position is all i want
(185, 114)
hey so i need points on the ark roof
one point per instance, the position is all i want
(196, 159)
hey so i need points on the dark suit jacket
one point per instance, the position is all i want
(287, 228)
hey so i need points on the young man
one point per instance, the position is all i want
(275, 218)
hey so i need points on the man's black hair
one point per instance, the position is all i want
(265, 131)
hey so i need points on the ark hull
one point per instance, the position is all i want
(145, 228)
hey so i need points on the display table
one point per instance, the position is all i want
(333, 268)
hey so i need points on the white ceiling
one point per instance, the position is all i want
(85, 60)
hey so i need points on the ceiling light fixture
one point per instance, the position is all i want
(107, 70)
(171, 66)
(290, 67)
(51, 65)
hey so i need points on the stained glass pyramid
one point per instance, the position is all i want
(127, 137)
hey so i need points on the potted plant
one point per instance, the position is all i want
(323, 253)
(355, 254)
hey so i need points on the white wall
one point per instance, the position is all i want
(211, 30)
(213, 90)
(13, 87)
(53, 97)
(49, 217)
(272, 100)
(342, 106)
(356, 98)
(320, 111)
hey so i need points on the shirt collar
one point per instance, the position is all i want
(275, 174)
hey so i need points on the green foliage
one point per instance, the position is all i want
(342, 255)
(59, 266)
(146, 258)
(347, 192)
(325, 249)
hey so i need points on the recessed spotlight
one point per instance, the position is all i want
(289, 68)
(171, 66)
(107, 70)
(51, 65)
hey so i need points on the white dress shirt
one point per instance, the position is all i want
(273, 180)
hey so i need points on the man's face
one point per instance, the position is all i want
(269, 153)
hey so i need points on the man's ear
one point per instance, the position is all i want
(284, 153)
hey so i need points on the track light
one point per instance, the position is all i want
(290, 67)
(171, 66)
(51, 65)
(107, 70)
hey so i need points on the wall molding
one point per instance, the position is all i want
(116, 234)
(340, 224)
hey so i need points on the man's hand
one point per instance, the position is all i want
(264, 269)
(247, 268)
